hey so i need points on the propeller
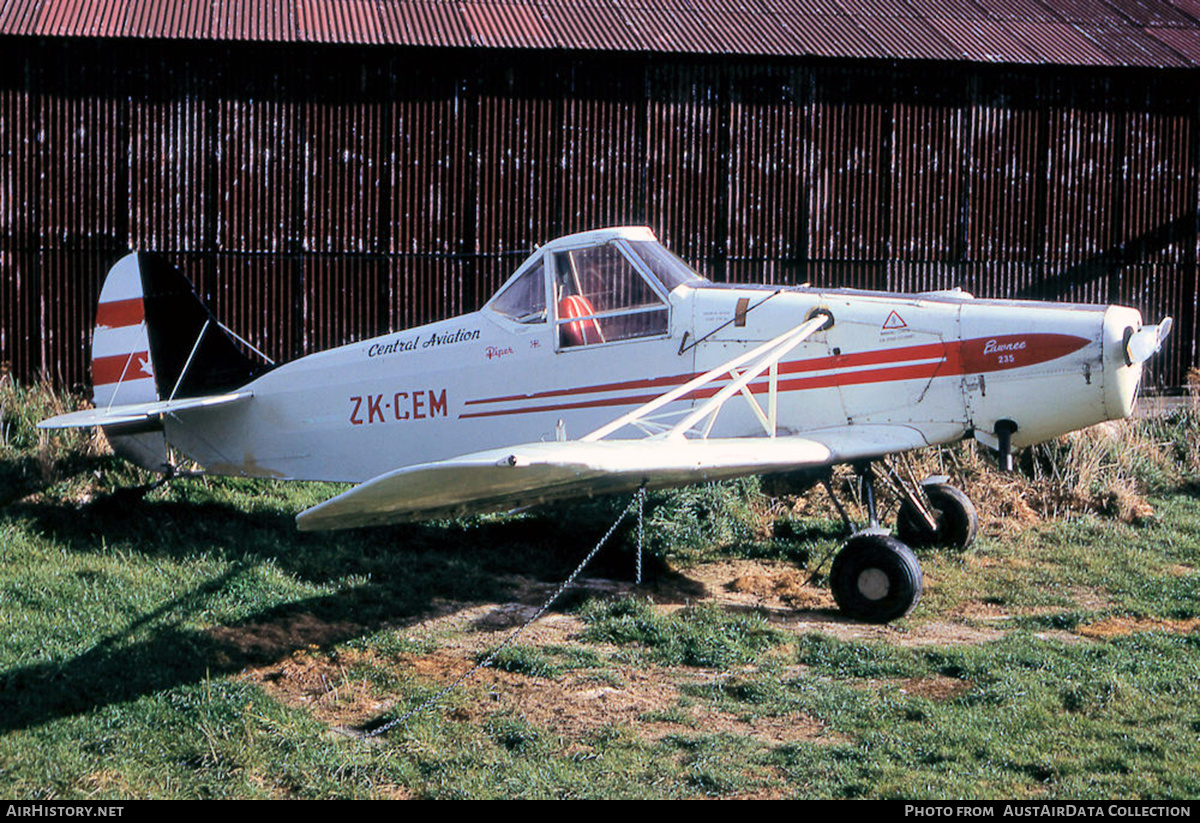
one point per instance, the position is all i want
(1144, 343)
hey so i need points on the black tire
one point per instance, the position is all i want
(876, 578)
(957, 521)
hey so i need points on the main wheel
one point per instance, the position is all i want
(876, 578)
(956, 519)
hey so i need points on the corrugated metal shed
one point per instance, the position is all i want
(1058, 32)
(320, 185)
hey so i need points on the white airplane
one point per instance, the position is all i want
(605, 364)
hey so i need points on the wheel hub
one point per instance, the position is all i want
(873, 584)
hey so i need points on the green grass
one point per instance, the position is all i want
(138, 636)
(704, 636)
(1036, 718)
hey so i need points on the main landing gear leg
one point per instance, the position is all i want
(935, 513)
(866, 486)
(866, 482)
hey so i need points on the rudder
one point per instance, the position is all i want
(122, 368)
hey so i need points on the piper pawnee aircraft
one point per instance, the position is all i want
(605, 364)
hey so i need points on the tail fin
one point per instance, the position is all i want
(192, 353)
(155, 339)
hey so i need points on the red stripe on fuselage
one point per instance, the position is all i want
(1002, 352)
(841, 361)
(652, 383)
(925, 370)
(975, 356)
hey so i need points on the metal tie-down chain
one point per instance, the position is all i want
(638, 501)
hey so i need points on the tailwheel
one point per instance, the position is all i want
(876, 578)
(955, 521)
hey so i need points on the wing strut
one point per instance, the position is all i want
(762, 358)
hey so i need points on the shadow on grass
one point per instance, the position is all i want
(543, 544)
(157, 653)
(26, 475)
(397, 575)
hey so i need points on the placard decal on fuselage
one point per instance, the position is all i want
(402, 345)
(398, 407)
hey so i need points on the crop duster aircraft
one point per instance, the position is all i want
(605, 364)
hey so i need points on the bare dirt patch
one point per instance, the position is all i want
(1121, 626)
(276, 636)
(790, 587)
(322, 686)
(645, 700)
(1089, 599)
(572, 706)
(582, 701)
(782, 593)
(764, 585)
(933, 688)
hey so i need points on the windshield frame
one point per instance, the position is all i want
(630, 240)
(666, 288)
(638, 268)
(538, 259)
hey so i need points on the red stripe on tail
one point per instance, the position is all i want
(117, 313)
(120, 367)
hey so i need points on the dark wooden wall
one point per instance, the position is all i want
(319, 195)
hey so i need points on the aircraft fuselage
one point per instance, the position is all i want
(945, 364)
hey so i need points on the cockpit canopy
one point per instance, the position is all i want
(605, 285)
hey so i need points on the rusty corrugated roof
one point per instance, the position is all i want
(590, 27)
(1185, 42)
(1189, 7)
(18, 16)
(1057, 42)
(985, 41)
(832, 36)
(1133, 47)
(1157, 33)
(1149, 13)
(506, 25)
(344, 21)
(266, 20)
(1028, 11)
(423, 23)
(908, 38)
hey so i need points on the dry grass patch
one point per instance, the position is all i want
(1122, 626)
(783, 586)
(934, 687)
(323, 687)
(573, 706)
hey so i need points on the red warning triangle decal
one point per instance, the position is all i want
(894, 321)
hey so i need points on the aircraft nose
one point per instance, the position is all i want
(1147, 341)
(1126, 345)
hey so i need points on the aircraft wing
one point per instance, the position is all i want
(504, 479)
(138, 412)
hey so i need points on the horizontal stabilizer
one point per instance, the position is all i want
(139, 412)
(526, 475)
